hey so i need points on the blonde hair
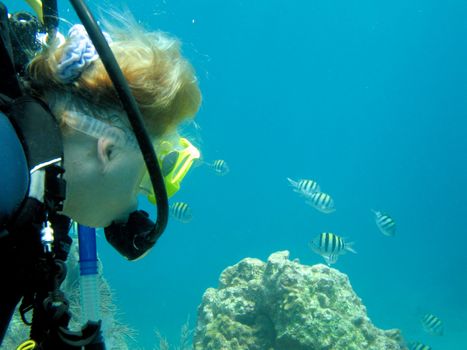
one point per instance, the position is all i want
(162, 81)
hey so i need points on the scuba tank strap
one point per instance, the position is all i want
(36, 125)
(40, 136)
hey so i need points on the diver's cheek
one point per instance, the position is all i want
(125, 212)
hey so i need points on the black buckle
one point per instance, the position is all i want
(55, 188)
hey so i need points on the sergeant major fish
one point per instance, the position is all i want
(181, 211)
(220, 167)
(419, 346)
(321, 201)
(385, 223)
(330, 246)
(304, 186)
(432, 324)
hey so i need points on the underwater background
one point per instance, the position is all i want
(369, 98)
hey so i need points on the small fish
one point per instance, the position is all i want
(304, 186)
(321, 201)
(385, 223)
(330, 246)
(220, 167)
(418, 346)
(181, 211)
(432, 324)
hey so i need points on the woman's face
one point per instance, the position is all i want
(102, 180)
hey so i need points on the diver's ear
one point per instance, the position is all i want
(105, 149)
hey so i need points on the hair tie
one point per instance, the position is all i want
(78, 55)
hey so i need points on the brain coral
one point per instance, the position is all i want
(283, 305)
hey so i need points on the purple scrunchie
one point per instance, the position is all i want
(78, 55)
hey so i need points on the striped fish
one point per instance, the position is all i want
(330, 246)
(385, 223)
(220, 167)
(432, 324)
(181, 211)
(321, 201)
(418, 346)
(304, 186)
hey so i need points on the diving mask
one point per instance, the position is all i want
(117, 132)
(175, 161)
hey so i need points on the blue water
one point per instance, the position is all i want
(369, 98)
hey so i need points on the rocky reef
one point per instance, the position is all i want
(284, 305)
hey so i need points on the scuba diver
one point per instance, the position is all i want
(74, 147)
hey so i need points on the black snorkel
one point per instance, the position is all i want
(135, 237)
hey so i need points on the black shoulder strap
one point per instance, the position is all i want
(41, 138)
(8, 80)
(36, 125)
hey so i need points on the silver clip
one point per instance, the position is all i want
(47, 236)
